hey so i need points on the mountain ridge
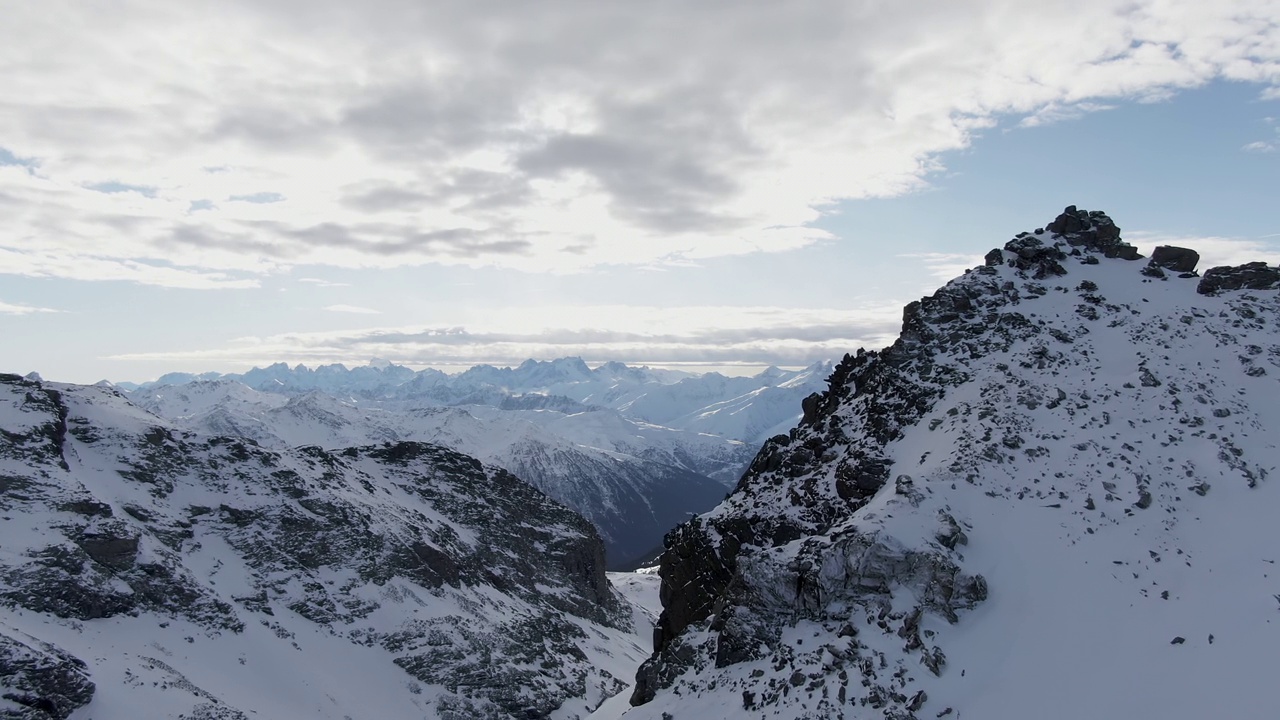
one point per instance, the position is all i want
(207, 576)
(1057, 471)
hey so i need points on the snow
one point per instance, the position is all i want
(268, 661)
(1097, 606)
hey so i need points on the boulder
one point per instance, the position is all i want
(1169, 257)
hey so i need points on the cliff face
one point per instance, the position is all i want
(210, 577)
(1042, 469)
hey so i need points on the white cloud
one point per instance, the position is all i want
(323, 283)
(1214, 251)
(1259, 147)
(943, 267)
(353, 309)
(86, 266)
(1056, 112)
(634, 334)
(15, 309)
(544, 136)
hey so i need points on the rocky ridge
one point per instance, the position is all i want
(1020, 481)
(207, 576)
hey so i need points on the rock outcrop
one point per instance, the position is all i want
(1033, 418)
(1250, 276)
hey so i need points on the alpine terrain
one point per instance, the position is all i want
(150, 571)
(634, 450)
(1052, 497)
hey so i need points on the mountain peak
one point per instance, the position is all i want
(1063, 436)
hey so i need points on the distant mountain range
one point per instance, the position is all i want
(634, 450)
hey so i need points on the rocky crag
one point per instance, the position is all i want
(202, 576)
(1049, 498)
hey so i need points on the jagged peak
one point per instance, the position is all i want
(1140, 393)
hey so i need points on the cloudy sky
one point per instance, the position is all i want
(214, 185)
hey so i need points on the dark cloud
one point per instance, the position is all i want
(661, 169)
(283, 242)
(271, 128)
(429, 120)
(381, 198)
(462, 189)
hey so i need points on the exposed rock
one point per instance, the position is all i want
(814, 554)
(1250, 276)
(1091, 231)
(1177, 259)
(42, 678)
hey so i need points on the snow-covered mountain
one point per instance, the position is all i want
(1053, 497)
(635, 450)
(150, 571)
(634, 481)
(738, 408)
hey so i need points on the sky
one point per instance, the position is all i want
(216, 185)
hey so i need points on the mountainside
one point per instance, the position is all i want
(203, 576)
(635, 450)
(1052, 497)
(633, 481)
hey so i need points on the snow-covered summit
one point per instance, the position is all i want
(1052, 497)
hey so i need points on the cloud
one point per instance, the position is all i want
(16, 309)
(943, 267)
(1259, 147)
(551, 136)
(353, 309)
(1056, 113)
(1214, 251)
(144, 271)
(261, 198)
(323, 283)
(635, 334)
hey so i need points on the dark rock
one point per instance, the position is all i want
(1123, 252)
(810, 408)
(1177, 259)
(115, 546)
(1177, 640)
(1032, 255)
(1250, 276)
(1144, 500)
(995, 257)
(1093, 231)
(89, 507)
(42, 677)
(951, 535)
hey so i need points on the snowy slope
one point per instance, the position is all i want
(1053, 497)
(760, 413)
(588, 437)
(148, 571)
(633, 481)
